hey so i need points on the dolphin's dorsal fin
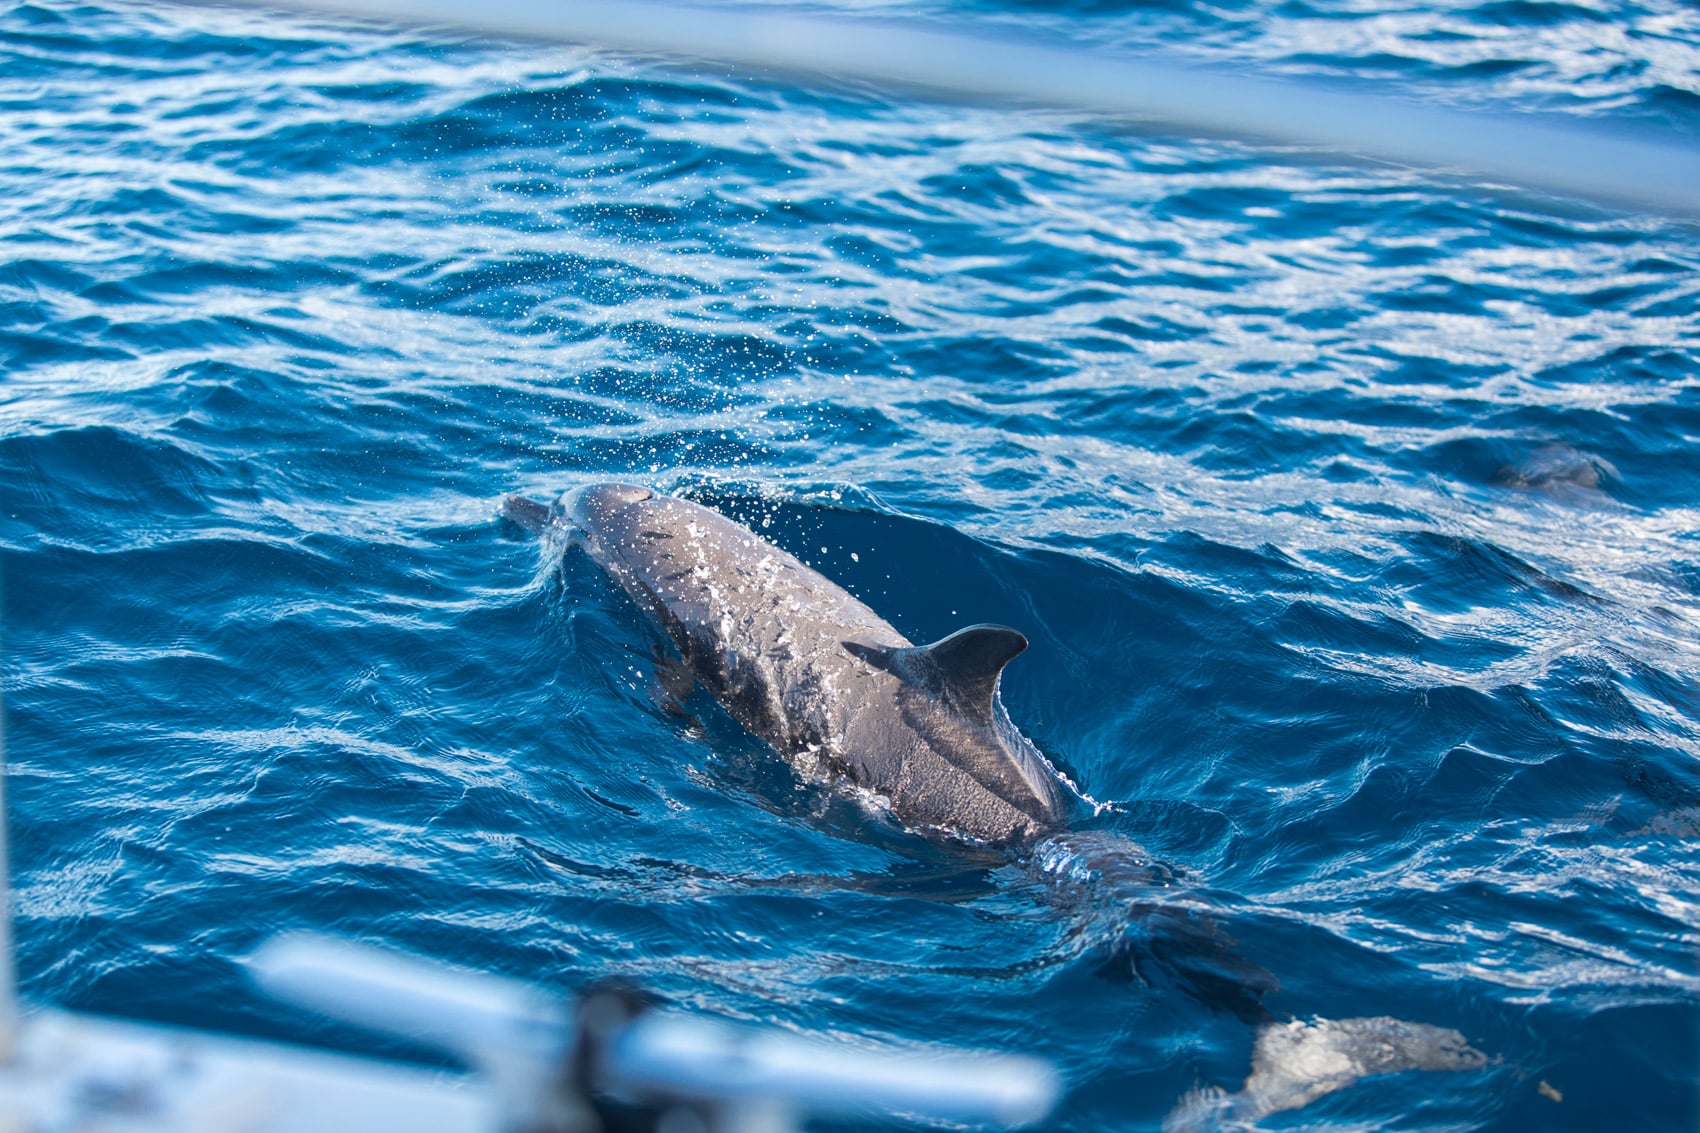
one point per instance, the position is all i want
(965, 666)
(961, 669)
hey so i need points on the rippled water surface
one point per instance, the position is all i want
(1351, 512)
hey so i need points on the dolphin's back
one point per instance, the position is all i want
(761, 629)
(813, 671)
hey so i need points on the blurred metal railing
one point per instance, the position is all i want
(1546, 152)
(611, 1063)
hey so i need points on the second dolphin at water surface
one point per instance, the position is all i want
(804, 665)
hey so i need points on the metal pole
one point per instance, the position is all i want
(8, 971)
(1542, 151)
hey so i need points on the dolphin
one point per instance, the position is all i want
(836, 690)
(811, 670)
(1566, 473)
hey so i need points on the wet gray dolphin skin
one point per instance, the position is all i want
(805, 666)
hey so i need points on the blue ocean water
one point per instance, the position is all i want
(1353, 514)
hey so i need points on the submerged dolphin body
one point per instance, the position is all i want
(805, 666)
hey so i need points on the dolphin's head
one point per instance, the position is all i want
(593, 511)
